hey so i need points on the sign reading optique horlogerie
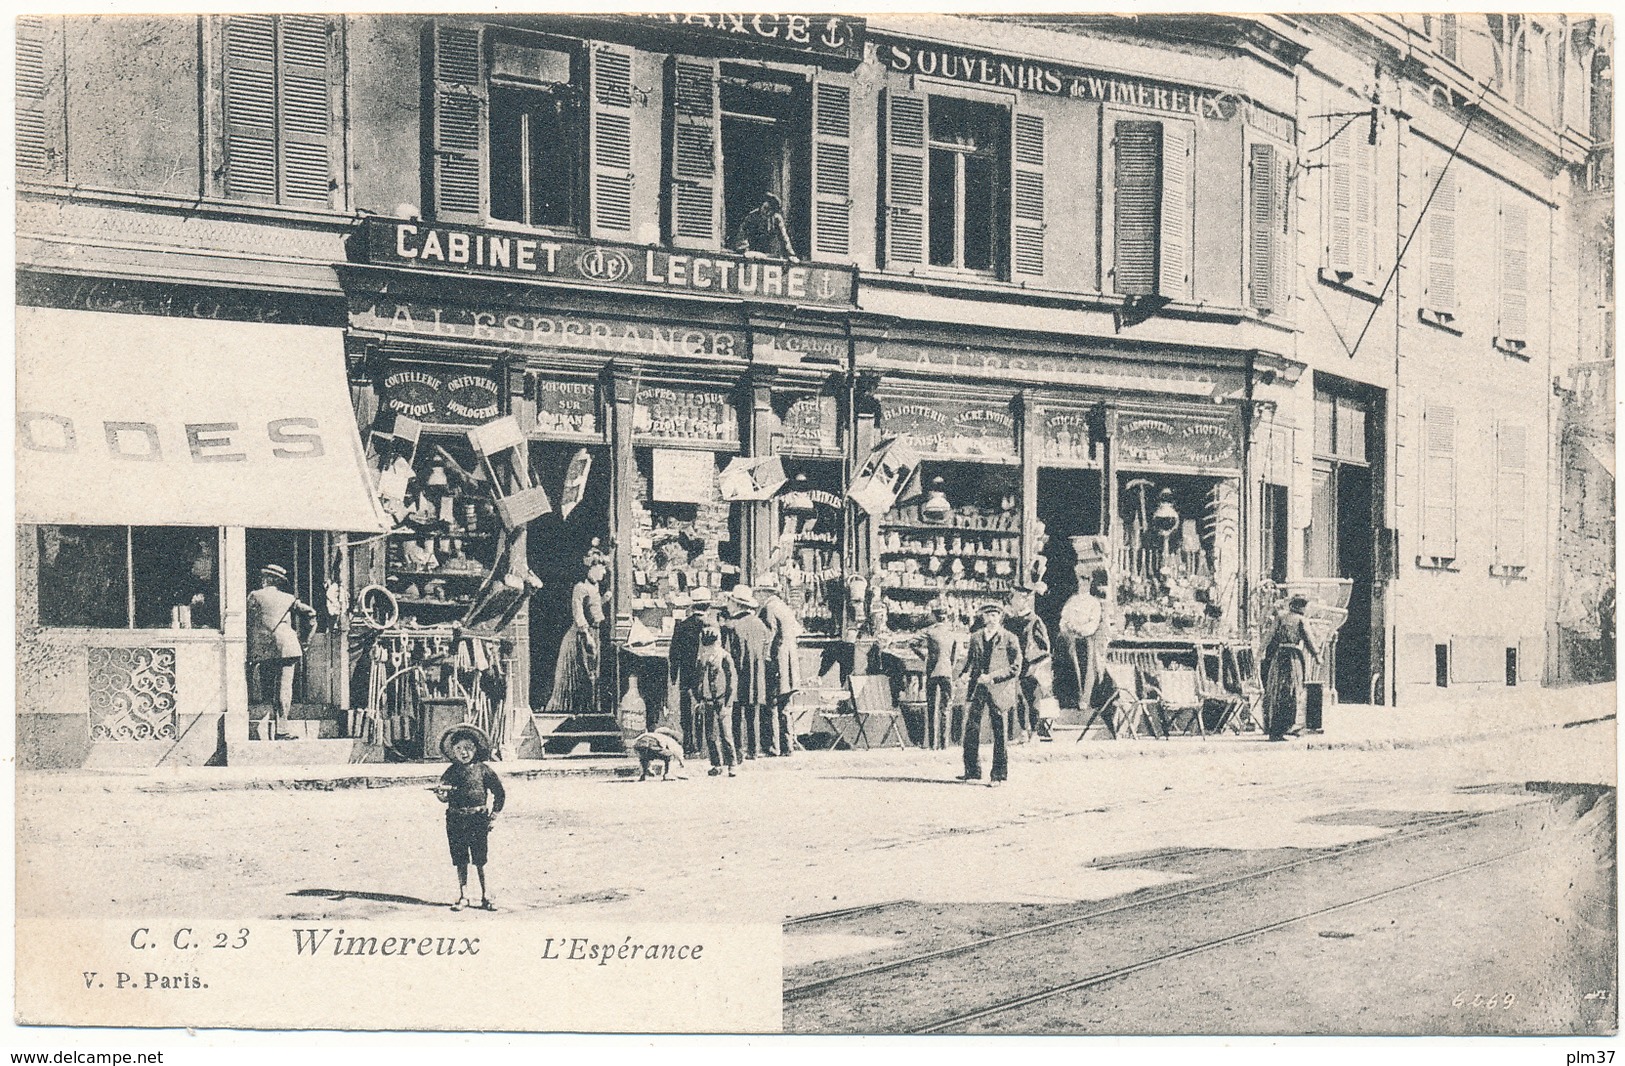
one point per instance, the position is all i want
(600, 264)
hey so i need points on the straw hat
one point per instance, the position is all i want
(743, 596)
(273, 570)
(482, 740)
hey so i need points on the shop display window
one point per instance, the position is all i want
(129, 577)
(1178, 554)
(959, 544)
(448, 535)
(685, 537)
(807, 557)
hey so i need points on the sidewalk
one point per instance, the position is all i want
(1348, 727)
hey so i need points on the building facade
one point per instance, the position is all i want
(1201, 304)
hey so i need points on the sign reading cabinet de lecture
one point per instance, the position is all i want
(600, 264)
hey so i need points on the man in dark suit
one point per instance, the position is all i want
(994, 669)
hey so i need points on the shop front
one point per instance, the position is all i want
(162, 464)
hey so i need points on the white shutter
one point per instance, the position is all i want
(250, 107)
(1178, 211)
(1340, 204)
(1513, 329)
(1441, 261)
(1027, 204)
(1439, 482)
(832, 169)
(458, 123)
(906, 205)
(1511, 494)
(1262, 232)
(696, 153)
(304, 110)
(609, 141)
(1367, 261)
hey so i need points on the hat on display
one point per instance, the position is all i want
(743, 596)
(273, 570)
(481, 739)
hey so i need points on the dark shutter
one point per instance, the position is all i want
(305, 111)
(1511, 494)
(39, 123)
(1340, 202)
(1178, 210)
(250, 107)
(1447, 37)
(832, 170)
(1441, 262)
(696, 153)
(1439, 483)
(1514, 325)
(1263, 234)
(1137, 178)
(609, 141)
(1027, 205)
(458, 123)
(906, 206)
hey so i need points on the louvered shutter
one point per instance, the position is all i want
(1286, 266)
(1439, 483)
(304, 111)
(1447, 37)
(609, 141)
(1027, 204)
(1178, 211)
(38, 123)
(1263, 233)
(1441, 263)
(906, 206)
(1514, 325)
(250, 107)
(1511, 493)
(1364, 228)
(458, 124)
(832, 170)
(696, 153)
(1136, 173)
(1340, 204)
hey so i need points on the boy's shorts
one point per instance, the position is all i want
(467, 835)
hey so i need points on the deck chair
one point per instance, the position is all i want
(1178, 703)
(1124, 711)
(1242, 663)
(1214, 687)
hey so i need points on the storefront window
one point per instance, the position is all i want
(1178, 554)
(685, 537)
(449, 534)
(122, 577)
(807, 558)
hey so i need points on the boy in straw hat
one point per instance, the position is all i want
(273, 644)
(463, 788)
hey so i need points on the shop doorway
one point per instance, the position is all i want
(1069, 506)
(555, 547)
(310, 560)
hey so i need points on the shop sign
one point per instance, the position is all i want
(798, 348)
(1012, 72)
(1176, 441)
(682, 476)
(1064, 436)
(687, 414)
(598, 264)
(810, 425)
(837, 37)
(441, 397)
(564, 406)
(1214, 383)
(569, 332)
(953, 429)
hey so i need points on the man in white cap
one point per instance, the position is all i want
(746, 637)
(273, 644)
(783, 667)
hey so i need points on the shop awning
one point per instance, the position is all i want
(146, 420)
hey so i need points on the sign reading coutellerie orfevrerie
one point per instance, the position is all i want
(599, 264)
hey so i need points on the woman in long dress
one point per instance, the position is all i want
(575, 675)
(1284, 668)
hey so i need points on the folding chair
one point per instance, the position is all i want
(1124, 711)
(1177, 702)
(1243, 664)
(1211, 686)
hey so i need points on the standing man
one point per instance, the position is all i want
(994, 669)
(746, 637)
(1037, 668)
(680, 666)
(783, 668)
(1083, 634)
(942, 649)
(273, 644)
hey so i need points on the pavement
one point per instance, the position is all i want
(1430, 724)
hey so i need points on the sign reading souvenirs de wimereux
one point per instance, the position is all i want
(600, 264)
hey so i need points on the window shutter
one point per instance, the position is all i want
(459, 124)
(696, 153)
(305, 112)
(1027, 195)
(1263, 234)
(250, 105)
(1364, 229)
(1441, 264)
(1439, 483)
(39, 123)
(1514, 325)
(1178, 210)
(906, 206)
(1447, 37)
(1137, 178)
(832, 170)
(1340, 204)
(609, 141)
(1286, 265)
(1511, 484)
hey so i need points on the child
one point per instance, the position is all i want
(463, 788)
(662, 745)
(714, 685)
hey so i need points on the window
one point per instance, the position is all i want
(1511, 496)
(1438, 485)
(529, 129)
(1447, 37)
(277, 92)
(1153, 197)
(1340, 427)
(1354, 250)
(1439, 303)
(965, 186)
(1269, 235)
(122, 577)
(764, 138)
(1512, 330)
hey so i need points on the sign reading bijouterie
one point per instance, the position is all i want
(1051, 79)
(951, 428)
(597, 264)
